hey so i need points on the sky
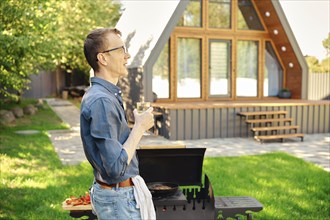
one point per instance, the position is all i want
(310, 22)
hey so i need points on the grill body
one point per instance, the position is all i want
(195, 198)
(184, 167)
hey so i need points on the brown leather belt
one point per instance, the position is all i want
(125, 183)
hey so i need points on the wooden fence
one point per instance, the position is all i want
(319, 86)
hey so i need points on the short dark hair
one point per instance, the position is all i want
(94, 43)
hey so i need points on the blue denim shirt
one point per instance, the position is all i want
(104, 129)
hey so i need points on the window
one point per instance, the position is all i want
(161, 74)
(273, 72)
(189, 68)
(192, 15)
(247, 16)
(219, 14)
(219, 68)
(223, 60)
(247, 68)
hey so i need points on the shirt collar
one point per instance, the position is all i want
(109, 86)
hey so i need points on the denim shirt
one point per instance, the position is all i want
(104, 130)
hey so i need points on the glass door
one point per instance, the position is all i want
(219, 68)
(247, 68)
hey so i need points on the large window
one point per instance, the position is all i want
(161, 74)
(247, 18)
(273, 72)
(247, 68)
(219, 58)
(219, 14)
(189, 68)
(219, 68)
(192, 16)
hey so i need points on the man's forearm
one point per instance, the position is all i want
(132, 141)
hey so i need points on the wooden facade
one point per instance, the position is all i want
(188, 121)
(208, 114)
(275, 31)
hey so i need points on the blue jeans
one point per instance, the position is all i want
(116, 203)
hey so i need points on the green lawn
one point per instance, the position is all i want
(34, 182)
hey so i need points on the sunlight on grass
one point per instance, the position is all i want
(273, 179)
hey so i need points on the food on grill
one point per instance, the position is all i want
(162, 189)
(81, 200)
(159, 187)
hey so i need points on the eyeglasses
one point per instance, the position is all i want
(117, 48)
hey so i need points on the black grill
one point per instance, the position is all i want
(195, 199)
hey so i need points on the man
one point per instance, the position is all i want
(109, 144)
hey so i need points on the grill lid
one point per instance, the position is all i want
(181, 166)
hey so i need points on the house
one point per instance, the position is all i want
(201, 62)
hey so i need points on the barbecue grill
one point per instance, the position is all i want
(194, 199)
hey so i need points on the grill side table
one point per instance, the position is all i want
(232, 206)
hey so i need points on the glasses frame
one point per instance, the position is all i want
(116, 48)
(113, 49)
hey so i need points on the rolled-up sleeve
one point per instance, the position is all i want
(105, 129)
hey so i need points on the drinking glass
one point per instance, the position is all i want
(141, 107)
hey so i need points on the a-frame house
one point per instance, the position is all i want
(203, 61)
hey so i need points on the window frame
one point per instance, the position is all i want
(205, 34)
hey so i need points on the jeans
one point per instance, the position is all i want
(116, 203)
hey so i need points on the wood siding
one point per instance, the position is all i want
(319, 86)
(223, 122)
(42, 85)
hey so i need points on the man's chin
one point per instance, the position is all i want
(124, 73)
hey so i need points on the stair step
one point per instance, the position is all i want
(279, 136)
(262, 113)
(274, 128)
(268, 120)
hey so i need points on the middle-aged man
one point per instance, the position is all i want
(118, 191)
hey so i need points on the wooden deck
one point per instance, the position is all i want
(239, 103)
(202, 120)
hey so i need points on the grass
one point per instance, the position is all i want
(34, 182)
(288, 187)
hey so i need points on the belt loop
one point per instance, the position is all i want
(117, 186)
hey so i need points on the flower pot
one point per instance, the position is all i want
(284, 94)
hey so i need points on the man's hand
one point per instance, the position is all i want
(144, 120)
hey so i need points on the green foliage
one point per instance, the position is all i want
(326, 44)
(318, 67)
(315, 66)
(285, 90)
(46, 34)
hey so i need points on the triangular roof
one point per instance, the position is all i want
(147, 25)
(144, 23)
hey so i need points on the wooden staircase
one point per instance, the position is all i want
(270, 125)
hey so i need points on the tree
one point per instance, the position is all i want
(320, 67)
(326, 44)
(45, 35)
(313, 64)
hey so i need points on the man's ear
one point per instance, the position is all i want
(101, 59)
